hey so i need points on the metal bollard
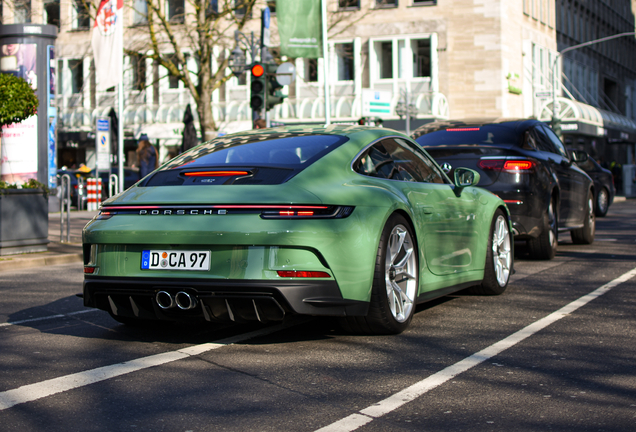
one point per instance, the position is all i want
(65, 207)
(81, 193)
(113, 185)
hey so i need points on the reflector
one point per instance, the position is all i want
(302, 274)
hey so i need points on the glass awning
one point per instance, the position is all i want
(575, 111)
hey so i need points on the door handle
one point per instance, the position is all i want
(426, 209)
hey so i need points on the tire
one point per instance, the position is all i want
(498, 258)
(395, 283)
(602, 203)
(585, 235)
(545, 246)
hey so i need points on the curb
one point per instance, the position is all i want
(25, 263)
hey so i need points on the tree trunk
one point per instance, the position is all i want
(206, 121)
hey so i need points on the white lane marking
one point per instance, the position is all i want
(50, 387)
(46, 317)
(361, 418)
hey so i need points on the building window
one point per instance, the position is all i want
(386, 3)
(22, 12)
(140, 12)
(386, 60)
(344, 52)
(421, 57)
(77, 75)
(60, 77)
(213, 8)
(272, 7)
(311, 70)
(349, 4)
(175, 11)
(81, 18)
(526, 7)
(240, 8)
(52, 12)
(138, 63)
(424, 2)
(173, 81)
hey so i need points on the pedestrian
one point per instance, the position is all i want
(189, 139)
(260, 124)
(147, 157)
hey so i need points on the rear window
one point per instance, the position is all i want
(467, 135)
(267, 158)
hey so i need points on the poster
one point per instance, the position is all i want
(20, 60)
(52, 114)
(19, 152)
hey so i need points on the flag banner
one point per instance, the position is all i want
(108, 44)
(300, 28)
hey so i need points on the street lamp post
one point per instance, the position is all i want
(555, 116)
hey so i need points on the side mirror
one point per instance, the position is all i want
(579, 156)
(465, 177)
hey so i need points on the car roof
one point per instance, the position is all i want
(299, 130)
(519, 124)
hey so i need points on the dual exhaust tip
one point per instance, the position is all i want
(182, 300)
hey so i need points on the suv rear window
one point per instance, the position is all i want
(269, 158)
(469, 135)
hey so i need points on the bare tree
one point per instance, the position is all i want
(171, 31)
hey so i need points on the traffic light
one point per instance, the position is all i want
(274, 93)
(258, 86)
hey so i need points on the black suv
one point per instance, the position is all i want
(526, 164)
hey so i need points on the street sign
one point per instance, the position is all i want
(376, 103)
(265, 33)
(102, 143)
(285, 73)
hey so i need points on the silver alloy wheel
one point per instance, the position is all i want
(501, 251)
(552, 220)
(400, 273)
(602, 201)
(590, 214)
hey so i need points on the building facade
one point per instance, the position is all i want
(598, 95)
(453, 58)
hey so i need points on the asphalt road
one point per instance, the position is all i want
(555, 352)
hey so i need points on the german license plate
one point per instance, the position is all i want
(175, 260)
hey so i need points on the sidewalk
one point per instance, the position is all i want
(59, 252)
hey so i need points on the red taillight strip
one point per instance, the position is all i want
(232, 206)
(89, 270)
(517, 202)
(510, 165)
(215, 173)
(303, 274)
(518, 165)
(468, 129)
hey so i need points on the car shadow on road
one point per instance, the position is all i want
(68, 317)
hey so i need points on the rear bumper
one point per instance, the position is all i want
(220, 300)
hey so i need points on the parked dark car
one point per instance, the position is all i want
(524, 163)
(604, 189)
(78, 188)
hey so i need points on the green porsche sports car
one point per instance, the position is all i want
(346, 221)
